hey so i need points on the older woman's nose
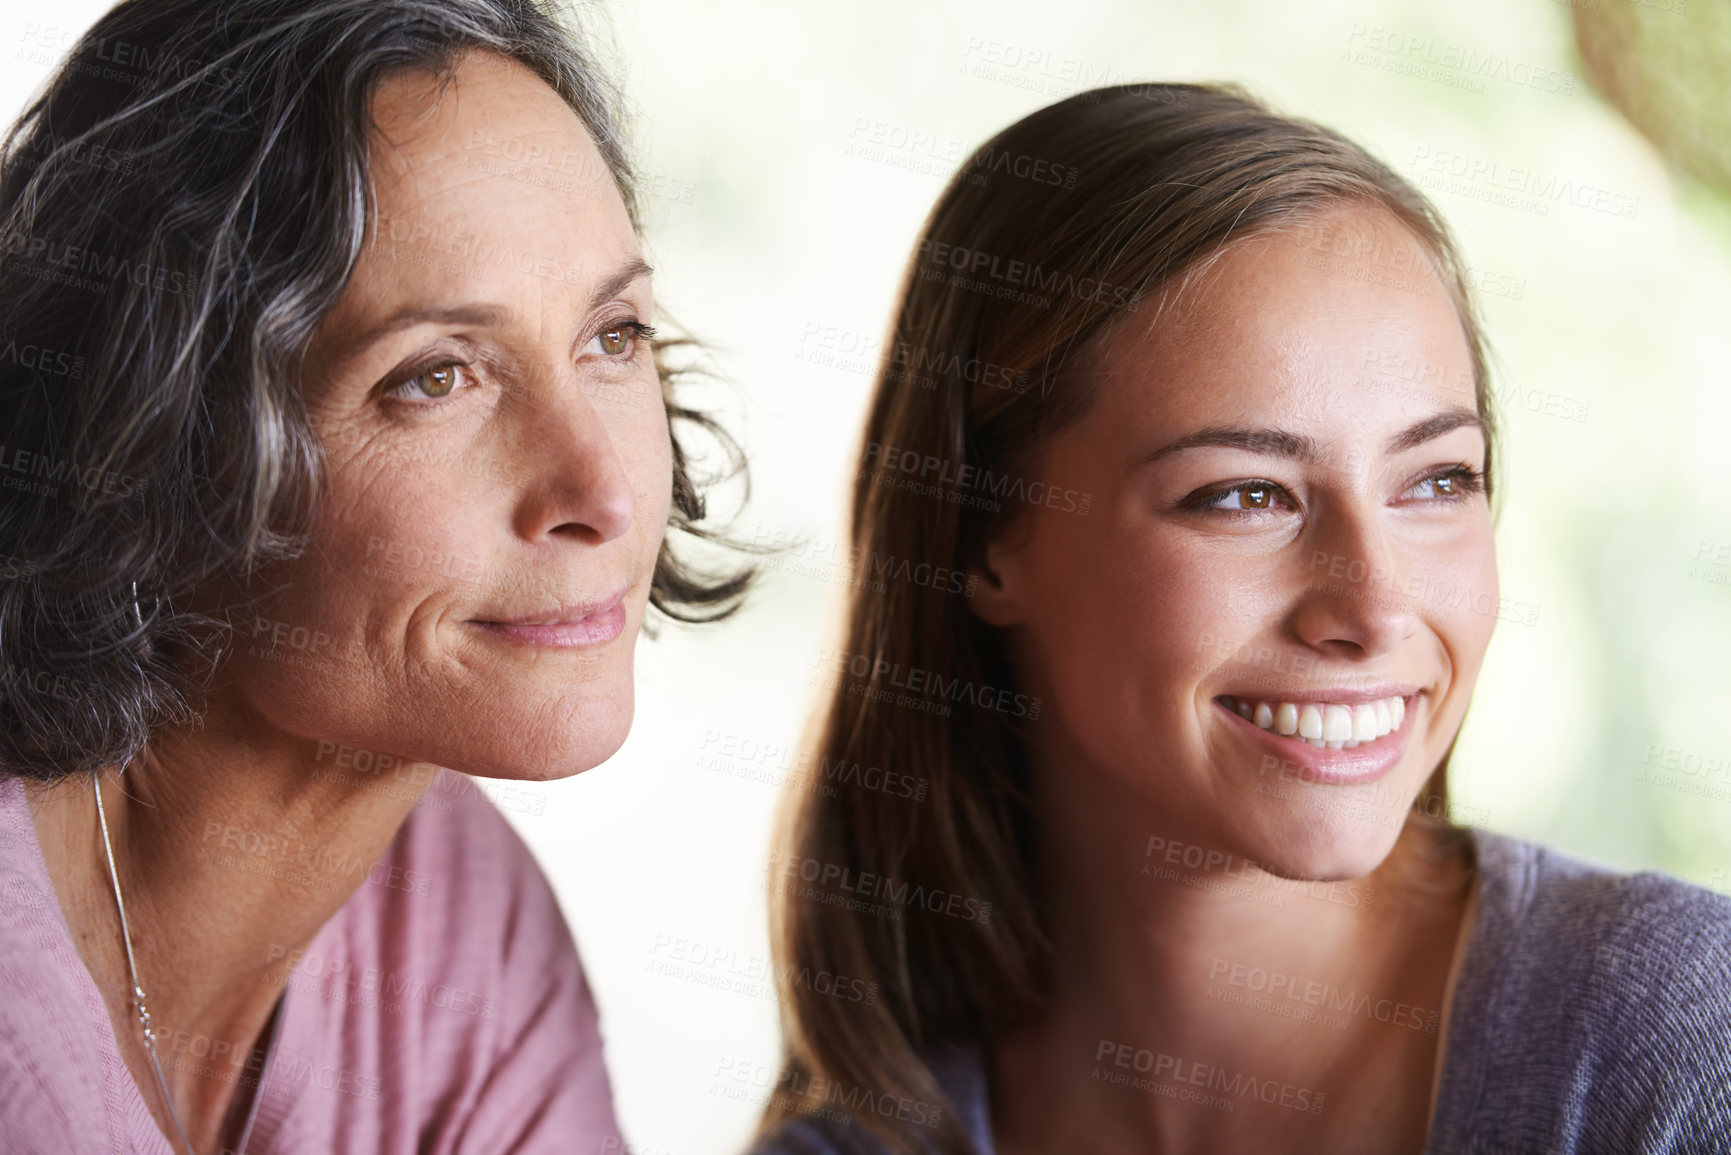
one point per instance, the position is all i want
(574, 480)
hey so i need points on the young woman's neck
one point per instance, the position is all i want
(1176, 962)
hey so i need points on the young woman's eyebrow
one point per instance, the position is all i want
(1298, 447)
(1433, 427)
(1270, 442)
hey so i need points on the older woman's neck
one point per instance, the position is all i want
(234, 842)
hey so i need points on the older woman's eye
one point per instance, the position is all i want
(435, 382)
(620, 340)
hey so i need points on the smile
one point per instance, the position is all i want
(1325, 725)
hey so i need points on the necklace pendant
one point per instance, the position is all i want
(143, 1014)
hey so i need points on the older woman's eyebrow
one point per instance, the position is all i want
(1298, 447)
(412, 315)
(630, 271)
(490, 314)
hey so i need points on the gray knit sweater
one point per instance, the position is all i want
(1591, 1016)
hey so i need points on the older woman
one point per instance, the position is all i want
(336, 452)
(1209, 428)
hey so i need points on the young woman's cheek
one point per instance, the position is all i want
(1135, 620)
(1456, 586)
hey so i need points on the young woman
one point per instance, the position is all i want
(336, 453)
(1205, 423)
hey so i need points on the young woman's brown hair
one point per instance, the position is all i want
(1051, 234)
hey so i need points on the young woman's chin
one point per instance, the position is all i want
(1313, 834)
(1323, 850)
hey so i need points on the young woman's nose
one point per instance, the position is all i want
(1352, 600)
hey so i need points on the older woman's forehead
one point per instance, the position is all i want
(487, 188)
(494, 142)
(486, 104)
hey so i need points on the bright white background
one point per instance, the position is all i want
(793, 150)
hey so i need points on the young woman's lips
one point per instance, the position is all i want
(1292, 757)
(572, 627)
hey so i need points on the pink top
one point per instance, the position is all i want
(443, 1009)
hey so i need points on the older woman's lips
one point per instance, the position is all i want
(572, 627)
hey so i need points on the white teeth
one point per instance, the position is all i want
(1325, 726)
(1286, 719)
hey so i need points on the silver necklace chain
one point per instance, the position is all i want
(132, 977)
(132, 970)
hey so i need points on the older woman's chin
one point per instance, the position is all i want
(504, 731)
(554, 745)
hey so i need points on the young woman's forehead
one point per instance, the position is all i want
(1268, 317)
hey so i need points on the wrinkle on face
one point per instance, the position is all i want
(502, 478)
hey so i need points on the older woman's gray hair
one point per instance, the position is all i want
(178, 211)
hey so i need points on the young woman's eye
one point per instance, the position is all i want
(433, 383)
(1245, 497)
(1453, 484)
(619, 341)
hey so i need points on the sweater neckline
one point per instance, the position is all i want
(1501, 888)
